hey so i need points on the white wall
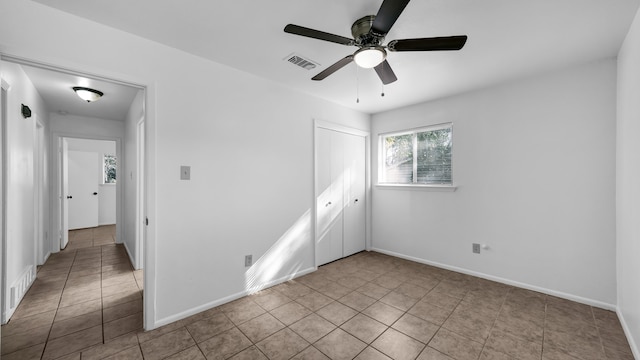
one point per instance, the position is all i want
(534, 164)
(628, 184)
(106, 192)
(248, 142)
(21, 246)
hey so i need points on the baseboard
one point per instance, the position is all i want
(627, 332)
(212, 304)
(579, 299)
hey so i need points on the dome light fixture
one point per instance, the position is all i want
(369, 56)
(87, 94)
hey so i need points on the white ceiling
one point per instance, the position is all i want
(55, 88)
(507, 39)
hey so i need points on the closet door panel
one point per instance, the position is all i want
(354, 233)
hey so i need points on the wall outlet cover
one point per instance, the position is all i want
(476, 248)
(185, 172)
(248, 260)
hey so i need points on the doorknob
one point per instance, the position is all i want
(329, 203)
(95, 193)
(355, 201)
(69, 197)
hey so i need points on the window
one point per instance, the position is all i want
(109, 166)
(419, 157)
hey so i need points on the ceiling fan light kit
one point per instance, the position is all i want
(368, 35)
(369, 57)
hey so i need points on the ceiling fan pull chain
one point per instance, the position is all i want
(357, 87)
(382, 93)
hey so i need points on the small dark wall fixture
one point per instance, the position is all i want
(26, 112)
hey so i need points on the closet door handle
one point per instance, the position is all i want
(329, 203)
(355, 201)
(95, 193)
(69, 197)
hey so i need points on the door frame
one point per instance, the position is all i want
(39, 174)
(59, 204)
(3, 198)
(322, 124)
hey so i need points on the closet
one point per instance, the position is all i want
(340, 194)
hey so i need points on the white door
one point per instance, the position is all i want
(340, 176)
(354, 234)
(84, 169)
(64, 193)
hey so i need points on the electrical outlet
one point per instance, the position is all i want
(476, 248)
(185, 172)
(248, 260)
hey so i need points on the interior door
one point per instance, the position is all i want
(323, 202)
(354, 235)
(64, 193)
(84, 169)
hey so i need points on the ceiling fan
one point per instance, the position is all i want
(369, 32)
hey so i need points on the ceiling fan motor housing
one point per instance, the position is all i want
(361, 31)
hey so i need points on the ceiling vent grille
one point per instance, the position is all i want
(301, 61)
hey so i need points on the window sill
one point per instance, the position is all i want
(435, 187)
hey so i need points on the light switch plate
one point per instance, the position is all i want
(185, 172)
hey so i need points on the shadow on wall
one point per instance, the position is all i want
(282, 257)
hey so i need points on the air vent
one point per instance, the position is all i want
(301, 61)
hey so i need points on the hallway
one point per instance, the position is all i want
(85, 295)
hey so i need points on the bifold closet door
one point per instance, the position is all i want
(355, 201)
(340, 166)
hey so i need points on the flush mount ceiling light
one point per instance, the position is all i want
(369, 57)
(87, 94)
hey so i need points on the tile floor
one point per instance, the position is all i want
(368, 306)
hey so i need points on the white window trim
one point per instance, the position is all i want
(415, 186)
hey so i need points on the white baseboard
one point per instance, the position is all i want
(130, 255)
(18, 289)
(627, 332)
(582, 300)
(212, 304)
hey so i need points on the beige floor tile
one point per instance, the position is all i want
(312, 328)
(260, 327)
(399, 301)
(122, 326)
(270, 300)
(430, 353)
(225, 344)
(209, 327)
(339, 345)
(416, 328)
(282, 345)
(290, 313)
(517, 348)
(310, 353)
(292, 289)
(75, 324)
(30, 353)
(314, 301)
(384, 313)
(337, 313)
(251, 353)
(121, 310)
(23, 325)
(373, 291)
(364, 328)
(429, 312)
(357, 301)
(397, 345)
(113, 347)
(73, 343)
(371, 354)
(24, 340)
(167, 344)
(455, 346)
(192, 353)
(131, 353)
(243, 311)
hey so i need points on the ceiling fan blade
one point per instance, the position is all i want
(317, 34)
(385, 73)
(333, 68)
(389, 12)
(428, 44)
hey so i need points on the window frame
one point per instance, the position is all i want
(415, 185)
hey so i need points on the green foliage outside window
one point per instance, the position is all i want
(110, 166)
